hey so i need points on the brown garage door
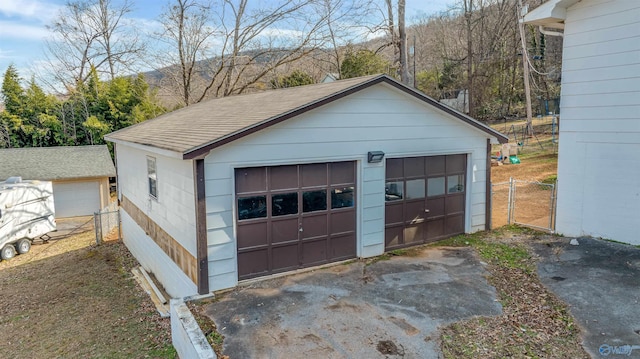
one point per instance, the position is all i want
(425, 199)
(292, 217)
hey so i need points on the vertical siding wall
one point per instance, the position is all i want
(599, 163)
(377, 118)
(174, 211)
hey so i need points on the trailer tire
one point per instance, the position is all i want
(23, 246)
(8, 252)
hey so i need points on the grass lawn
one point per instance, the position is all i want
(70, 299)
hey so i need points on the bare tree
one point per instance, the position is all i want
(91, 33)
(229, 48)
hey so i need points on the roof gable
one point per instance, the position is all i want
(56, 163)
(197, 129)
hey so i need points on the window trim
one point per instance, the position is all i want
(152, 176)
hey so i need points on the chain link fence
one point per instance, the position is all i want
(107, 223)
(526, 203)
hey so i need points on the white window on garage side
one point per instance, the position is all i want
(152, 176)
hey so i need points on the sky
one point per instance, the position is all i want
(23, 26)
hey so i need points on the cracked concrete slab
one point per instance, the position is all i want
(380, 310)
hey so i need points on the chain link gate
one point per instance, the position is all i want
(526, 203)
(107, 222)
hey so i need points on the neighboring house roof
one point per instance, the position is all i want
(56, 163)
(195, 130)
(550, 14)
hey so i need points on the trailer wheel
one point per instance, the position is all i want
(23, 246)
(8, 252)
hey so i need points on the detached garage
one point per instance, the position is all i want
(80, 174)
(251, 185)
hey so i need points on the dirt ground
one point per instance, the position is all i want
(538, 163)
(72, 299)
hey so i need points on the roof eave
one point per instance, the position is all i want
(550, 14)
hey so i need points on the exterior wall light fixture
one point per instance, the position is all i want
(375, 156)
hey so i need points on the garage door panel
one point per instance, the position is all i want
(314, 174)
(285, 257)
(436, 207)
(343, 247)
(436, 165)
(456, 163)
(342, 221)
(455, 224)
(435, 229)
(284, 230)
(253, 263)
(314, 226)
(413, 234)
(455, 204)
(393, 236)
(394, 213)
(314, 252)
(251, 180)
(414, 167)
(414, 212)
(342, 173)
(251, 235)
(283, 177)
(395, 168)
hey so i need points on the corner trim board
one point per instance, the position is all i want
(201, 226)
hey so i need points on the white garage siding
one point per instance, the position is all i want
(173, 211)
(376, 118)
(72, 199)
(599, 161)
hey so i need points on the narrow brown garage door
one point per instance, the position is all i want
(425, 199)
(292, 217)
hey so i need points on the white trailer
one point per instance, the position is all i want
(26, 212)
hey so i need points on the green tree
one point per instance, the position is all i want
(296, 78)
(13, 94)
(362, 63)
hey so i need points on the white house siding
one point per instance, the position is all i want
(173, 211)
(377, 118)
(599, 163)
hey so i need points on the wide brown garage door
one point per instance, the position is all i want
(292, 217)
(425, 199)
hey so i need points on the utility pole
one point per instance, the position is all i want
(525, 67)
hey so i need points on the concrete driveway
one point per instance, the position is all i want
(389, 308)
(600, 281)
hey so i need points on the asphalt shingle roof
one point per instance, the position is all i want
(56, 163)
(195, 129)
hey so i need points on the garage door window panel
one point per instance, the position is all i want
(415, 188)
(284, 204)
(342, 197)
(313, 201)
(252, 207)
(393, 191)
(435, 186)
(455, 183)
